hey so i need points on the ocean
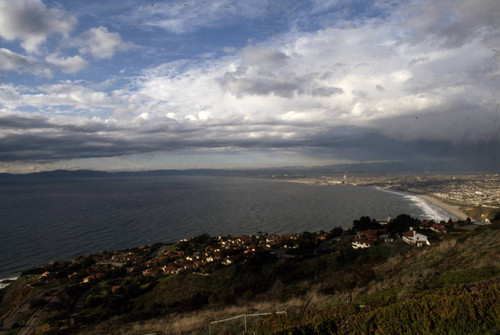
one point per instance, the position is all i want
(57, 219)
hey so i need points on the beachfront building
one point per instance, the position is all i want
(413, 238)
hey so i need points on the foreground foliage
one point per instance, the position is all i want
(462, 309)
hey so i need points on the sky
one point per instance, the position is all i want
(138, 85)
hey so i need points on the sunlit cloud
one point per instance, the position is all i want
(100, 43)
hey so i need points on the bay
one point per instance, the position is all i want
(58, 219)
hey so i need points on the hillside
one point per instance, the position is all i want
(318, 278)
(453, 287)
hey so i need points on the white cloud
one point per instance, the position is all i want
(11, 61)
(358, 76)
(67, 64)
(64, 98)
(31, 22)
(72, 94)
(101, 43)
(401, 76)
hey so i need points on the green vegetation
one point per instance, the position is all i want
(324, 284)
(451, 310)
(454, 293)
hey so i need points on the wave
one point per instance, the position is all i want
(431, 211)
(6, 281)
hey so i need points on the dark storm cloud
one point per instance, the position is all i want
(49, 142)
(267, 72)
(286, 87)
(255, 86)
(263, 58)
(326, 91)
(22, 123)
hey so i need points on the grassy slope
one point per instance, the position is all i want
(451, 288)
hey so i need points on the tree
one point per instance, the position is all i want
(365, 223)
(337, 231)
(402, 223)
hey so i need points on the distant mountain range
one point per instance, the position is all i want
(383, 168)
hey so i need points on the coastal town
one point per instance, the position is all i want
(198, 254)
(202, 253)
(464, 190)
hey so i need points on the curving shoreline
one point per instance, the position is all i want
(452, 209)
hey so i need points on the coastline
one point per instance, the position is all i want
(452, 209)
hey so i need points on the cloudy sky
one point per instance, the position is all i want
(128, 85)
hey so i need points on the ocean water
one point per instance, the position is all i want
(58, 219)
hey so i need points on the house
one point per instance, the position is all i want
(170, 269)
(361, 243)
(425, 225)
(369, 238)
(150, 272)
(438, 228)
(372, 234)
(91, 278)
(413, 238)
(385, 222)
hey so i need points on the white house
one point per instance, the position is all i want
(414, 238)
(361, 243)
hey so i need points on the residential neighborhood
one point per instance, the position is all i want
(201, 254)
(196, 255)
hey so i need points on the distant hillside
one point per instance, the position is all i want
(56, 174)
(378, 168)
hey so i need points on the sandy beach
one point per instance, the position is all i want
(452, 209)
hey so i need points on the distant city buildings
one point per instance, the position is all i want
(477, 190)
